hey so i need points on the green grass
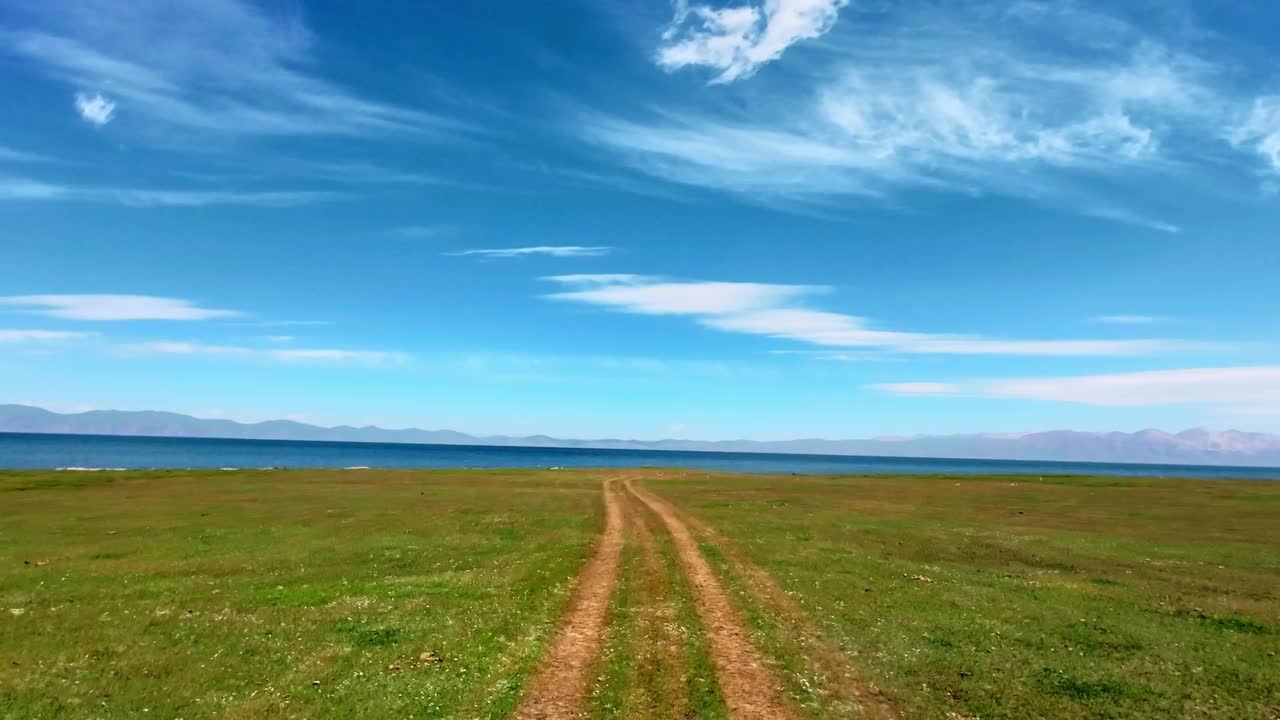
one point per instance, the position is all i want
(283, 594)
(318, 594)
(1017, 597)
(701, 689)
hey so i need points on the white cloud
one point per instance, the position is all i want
(1235, 386)
(837, 330)
(1129, 217)
(551, 250)
(962, 97)
(418, 231)
(95, 109)
(775, 311)
(1260, 130)
(291, 356)
(677, 298)
(1127, 319)
(737, 40)
(13, 188)
(600, 279)
(355, 172)
(141, 198)
(113, 307)
(9, 154)
(38, 336)
(192, 68)
(877, 125)
(282, 323)
(365, 357)
(919, 388)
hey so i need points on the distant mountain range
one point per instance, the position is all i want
(1196, 446)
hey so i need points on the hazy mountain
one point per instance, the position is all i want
(1195, 446)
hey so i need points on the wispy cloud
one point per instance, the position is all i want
(113, 307)
(19, 189)
(281, 323)
(366, 357)
(636, 294)
(9, 154)
(736, 41)
(95, 109)
(361, 173)
(776, 311)
(1244, 386)
(601, 279)
(1129, 217)
(1127, 319)
(141, 198)
(1260, 130)
(418, 231)
(290, 355)
(962, 97)
(551, 250)
(40, 336)
(209, 66)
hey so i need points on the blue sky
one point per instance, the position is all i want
(773, 219)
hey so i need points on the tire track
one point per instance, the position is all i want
(749, 687)
(558, 689)
(643, 662)
(840, 682)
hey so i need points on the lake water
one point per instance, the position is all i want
(35, 451)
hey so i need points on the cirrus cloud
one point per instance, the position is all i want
(548, 250)
(113, 307)
(1046, 102)
(40, 336)
(737, 41)
(777, 311)
(1250, 386)
(291, 355)
(201, 68)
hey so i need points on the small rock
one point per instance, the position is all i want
(315, 683)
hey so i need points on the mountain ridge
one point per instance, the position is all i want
(1151, 445)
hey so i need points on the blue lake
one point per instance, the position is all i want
(34, 451)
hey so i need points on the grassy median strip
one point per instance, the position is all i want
(656, 664)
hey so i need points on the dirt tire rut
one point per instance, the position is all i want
(748, 685)
(558, 689)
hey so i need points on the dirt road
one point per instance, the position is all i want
(747, 683)
(558, 689)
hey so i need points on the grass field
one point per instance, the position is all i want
(282, 593)
(425, 594)
(1018, 597)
